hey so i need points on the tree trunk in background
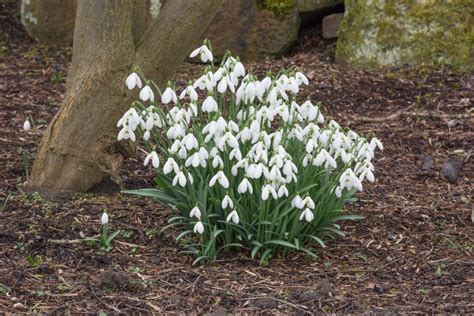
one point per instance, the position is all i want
(49, 21)
(79, 149)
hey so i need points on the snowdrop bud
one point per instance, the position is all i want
(133, 80)
(104, 219)
(195, 212)
(146, 136)
(234, 217)
(199, 228)
(147, 94)
(227, 202)
(307, 215)
(338, 191)
(27, 125)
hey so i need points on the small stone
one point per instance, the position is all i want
(428, 163)
(113, 280)
(451, 169)
(331, 25)
(19, 306)
(264, 303)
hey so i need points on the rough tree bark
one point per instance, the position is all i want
(79, 149)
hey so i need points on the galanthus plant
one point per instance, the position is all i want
(245, 163)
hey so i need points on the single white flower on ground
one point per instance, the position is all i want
(27, 125)
(104, 219)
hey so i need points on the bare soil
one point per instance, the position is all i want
(412, 253)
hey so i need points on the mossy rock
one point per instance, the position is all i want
(49, 21)
(252, 29)
(305, 6)
(379, 33)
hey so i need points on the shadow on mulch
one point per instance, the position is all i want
(412, 253)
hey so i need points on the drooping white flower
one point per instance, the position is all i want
(170, 165)
(198, 228)
(195, 212)
(147, 94)
(126, 133)
(221, 178)
(180, 178)
(297, 202)
(283, 191)
(146, 136)
(104, 218)
(27, 125)
(245, 186)
(308, 202)
(307, 215)
(155, 161)
(234, 217)
(189, 91)
(204, 52)
(227, 202)
(133, 80)
(268, 190)
(168, 96)
(209, 105)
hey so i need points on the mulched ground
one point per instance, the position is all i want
(412, 253)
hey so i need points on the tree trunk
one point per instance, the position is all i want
(79, 149)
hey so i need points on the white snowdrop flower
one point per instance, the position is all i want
(239, 69)
(198, 228)
(168, 96)
(133, 80)
(221, 178)
(183, 153)
(193, 160)
(27, 125)
(255, 171)
(297, 202)
(126, 133)
(189, 91)
(195, 212)
(147, 94)
(227, 202)
(155, 161)
(234, 217)
(190, 178)
(180, 179)
(204, 53)
(217, 162)
(235, 153)
(104, 219)
(170, 165)
(293, 85)
(308, 202)
(301, 78)
(330, 162)
(190, 141)
(267, 190)
(310, 145)
(146, 136)
(245, 186)
(266, 83)
(338, 191)
(320, 158)
(209, 105)
(307, 215)
(283, 191)
(375, 143)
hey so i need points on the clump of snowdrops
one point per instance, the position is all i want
(243, 163)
